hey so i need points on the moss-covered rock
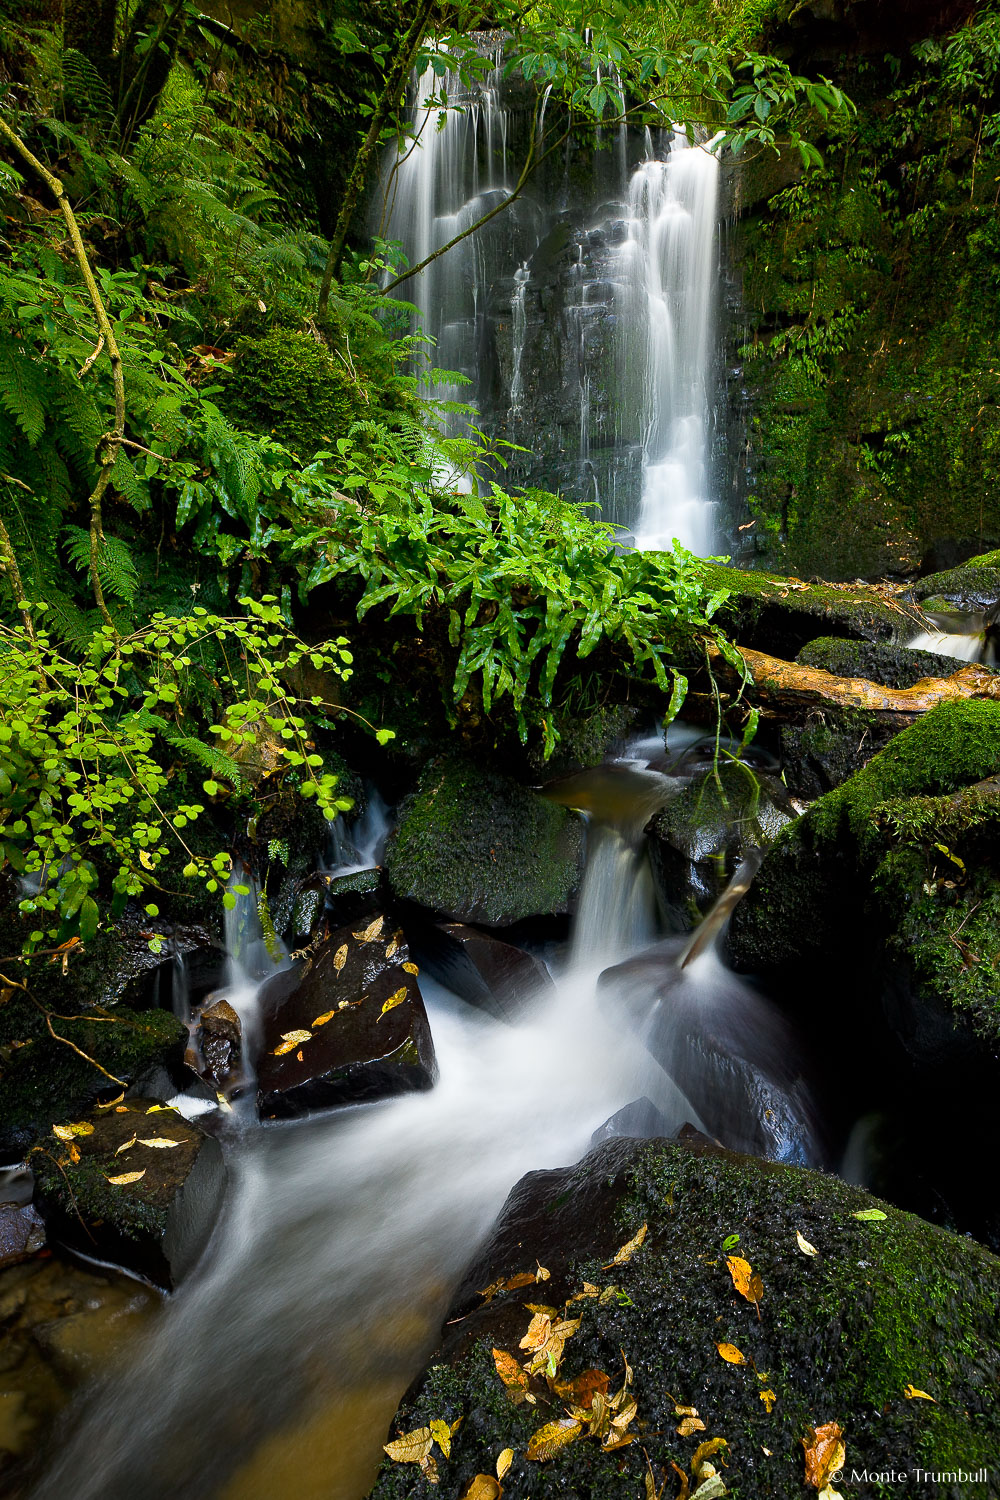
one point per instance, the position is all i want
(892, 666)
(780, 615)
(830, 746)
(975, 586)
(887, 1303)
(290, 384)
(475, 846)
(158, 1222)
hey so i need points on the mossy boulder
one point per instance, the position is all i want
(780, 615)
(475, 846)
(975, 586)
(892, 666)
(291, 385)
(887, 1303)
(698, 839)
(156, 1220)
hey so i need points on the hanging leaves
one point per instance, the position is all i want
(627, 1251)
(126, 1178)
(804, 1244)
(746, 1281)
(513, 1377)
(825, 1454)
(548, 1440)
(290, 1040)
(393, 1001)
(731, 1354)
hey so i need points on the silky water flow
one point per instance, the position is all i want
(275, 1369)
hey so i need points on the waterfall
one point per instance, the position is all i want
(668, 272)
(276, 1368)
(965, 636)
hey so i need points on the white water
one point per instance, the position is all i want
(970, 643)
(277, 1367)
(668, 268)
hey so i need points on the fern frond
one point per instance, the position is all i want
(115, 566)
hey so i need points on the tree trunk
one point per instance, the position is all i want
(89, 27)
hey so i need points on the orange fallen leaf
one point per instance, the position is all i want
(548, 1440)
(825, 1453)
(513, 1377)
(539, 1332)
(628, 1250)
(290, 1040)
(582, 1389)
(327, 1015)
(731, 1354)
(745, 1279)
(523, 1278)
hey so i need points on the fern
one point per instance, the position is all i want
(22, 391)
(115, 565)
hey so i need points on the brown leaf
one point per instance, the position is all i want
(126, 1178)
(769, 1398)
(542, 1273)
(340, 957)
(483, 1487)
(825, 1453)
(371, 932)
(510, 1372)
(393, 1001)
(582, 1389)
(523, 1278)
(731, 1354)
(429, 1469)
(548, 1440)
(74, 1152)
(690, 1425)
(617, 1439)
(411, 1448)
(684, 1489)
(628, 1250)
(912, 1394)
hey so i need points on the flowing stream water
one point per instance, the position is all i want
(276, 1368)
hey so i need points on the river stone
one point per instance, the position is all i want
(497, 977)
(475, 846)
(885, 1303)
(22, 1232)
(364, 1047)
(156, 1226)
(348, 897)
(892, 666)
(700, 836)
(974, 587)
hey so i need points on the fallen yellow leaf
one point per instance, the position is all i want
(392, 948)
(290, 1040)
(523, 1278)
(689, 1426)
(745, 1279)
(731, 1354)
(513, 1377)
(627, 1251)
(340, 957)
(704, 1452)
(804, 1244)
(548, 1440)
(482, 1487)
(912, 1394)
(67, 1132)
(504, 1462)
(126, 1146)
(371, 932)
(412, 1448)
(327, 1015)
(126, 1178)
(768, 1398)
(411, 969)
(393, 1001)
(441, 1433)
(160, 1142)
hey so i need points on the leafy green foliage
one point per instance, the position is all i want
(101, 759)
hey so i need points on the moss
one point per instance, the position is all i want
(892, 666)
(885, 1304)
(477, 846)
(974, 586)
(288, 384)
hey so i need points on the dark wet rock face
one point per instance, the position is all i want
(22, 1232)
(892, 666)
(220, 1037)
(475, 846)
(346, 1025)
(699, 838)
(495, 976)
(975, 586)
(156, 1224)
(883, 1304)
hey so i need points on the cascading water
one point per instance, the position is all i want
(276, 1368)
(668, 271)
(965, 636)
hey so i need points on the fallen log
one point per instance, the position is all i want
(786, 689)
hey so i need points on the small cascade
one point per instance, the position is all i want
(964, 636)
(520, 318)
(359, 845)
(668, 272)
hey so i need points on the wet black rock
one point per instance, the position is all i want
(138, 1187)
(892, 666)
(347, 1024)
(493, 975)
(475, 846)
(220, 1041)
(22, 1232)
(640, 1120)
(358, 894)
(975, 586)
(887, 1301)
(700, 836)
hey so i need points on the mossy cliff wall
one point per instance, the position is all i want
(871, 296)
